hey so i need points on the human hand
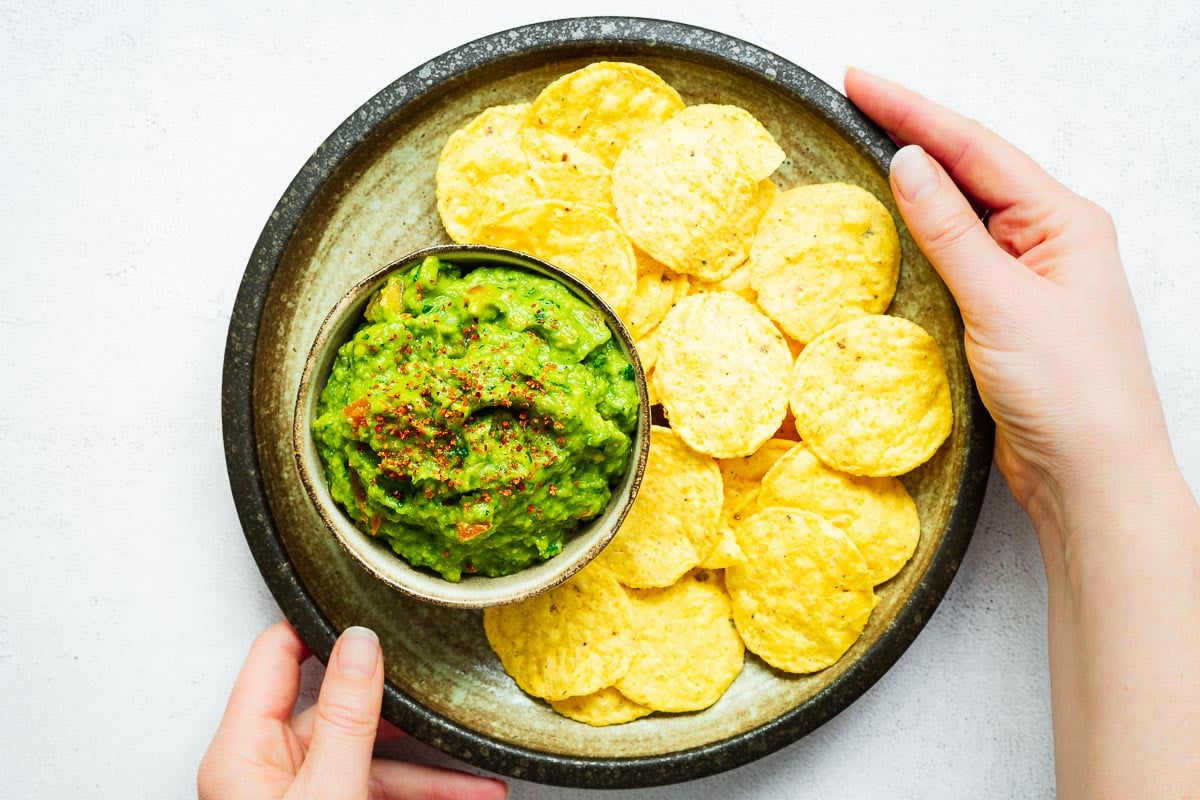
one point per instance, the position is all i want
(262, 752)
(1052, 335)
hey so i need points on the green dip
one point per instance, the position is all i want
(476, 419)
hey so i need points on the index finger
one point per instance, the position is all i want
(987, 167)
(269, 683)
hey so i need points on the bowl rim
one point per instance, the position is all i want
(378, 559)
(567, 38)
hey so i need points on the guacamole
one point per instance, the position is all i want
(477, 418)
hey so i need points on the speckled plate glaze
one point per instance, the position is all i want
(365, 198)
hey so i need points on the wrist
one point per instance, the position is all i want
(1106, 509)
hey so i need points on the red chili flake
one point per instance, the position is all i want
(356, 413)
(469, 530)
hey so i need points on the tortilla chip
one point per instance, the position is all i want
(480, 164)
(687, 649)
(804, 596)
(870, 396)
(824, 254)
(572, 640)
(605, 707)
(672, 525)
(594, 112)
(877, 513)
(729, 405)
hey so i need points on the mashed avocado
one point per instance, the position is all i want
(476, 418)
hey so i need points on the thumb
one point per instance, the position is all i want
(338, 762)
(946, 229)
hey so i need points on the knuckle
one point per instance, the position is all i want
(345, 717)
(1100, 219)
(949, 231)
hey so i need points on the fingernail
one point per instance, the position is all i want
(358, 652)
(913, 173)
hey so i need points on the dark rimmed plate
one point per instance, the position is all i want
(366, 197)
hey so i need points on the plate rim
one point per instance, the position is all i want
(241, 446)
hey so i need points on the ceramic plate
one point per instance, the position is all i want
(365, 198)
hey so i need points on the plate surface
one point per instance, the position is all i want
(365, 198)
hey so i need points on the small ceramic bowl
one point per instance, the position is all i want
(373, 553)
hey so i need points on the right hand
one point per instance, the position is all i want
(1052, 335)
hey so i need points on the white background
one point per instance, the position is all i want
(142, 147)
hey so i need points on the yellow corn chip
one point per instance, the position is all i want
(824, 254)
(804, 595)
(728, 404)
(877, 513)
(577, 238)
(870, 396)
(605, 707)
(480, 164)
(672, 525)
(572, 640)
(596, 111)
(687, 649)
(685, 197)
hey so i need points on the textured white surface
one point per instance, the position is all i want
(144, 146)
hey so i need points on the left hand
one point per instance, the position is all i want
(262, 752)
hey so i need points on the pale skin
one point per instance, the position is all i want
(263, 751)
(1056, 349)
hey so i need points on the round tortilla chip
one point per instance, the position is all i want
(573, 183)
(738, 283)
(480, 164)
(657, 290)
(672, 525)
(725, 552)
(824, 254)
(804, 595)
(685, 197)
(748, 471)
(688, 651)
(572, 640)
(877, 513)
(647, 350)
(722, 373)
(741, 479)
(758, 150)
(605, 707)
(578, 238)
(870, 396)
(596, 111)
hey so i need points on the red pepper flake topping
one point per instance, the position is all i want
(356, 413)
(469, 530)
